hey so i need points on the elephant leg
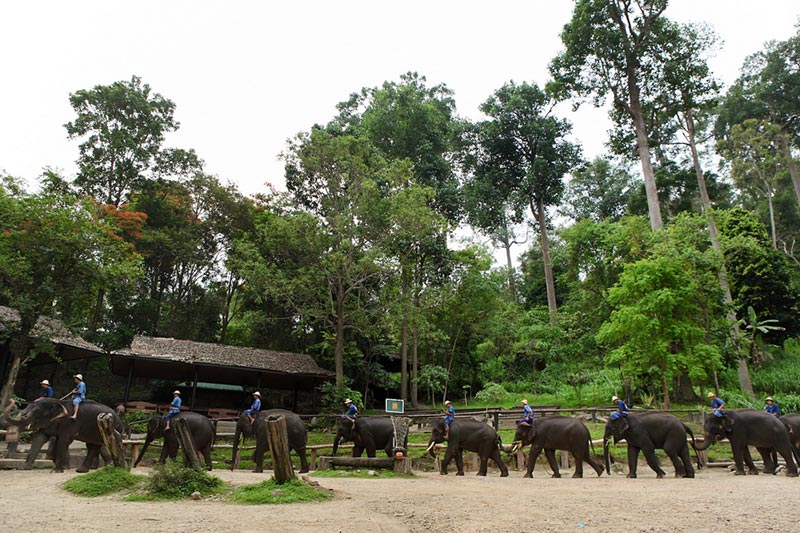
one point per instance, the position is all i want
(357, 450)
(303, 460)
(551, 459)
(747, 459)
(105, 455)
(787, 454)
(92, 459)
(484, 468)
(594, 464)
(532, 457)
(769, 463)
(258, 458)
(676, 462)
(37, 442)
(448, 456)
(497, 458)
(633, 458)
(459, 462)
(652, 462)
(62, 456)
(207, 457)
(740, 456)
(686, 459)
(578, 456)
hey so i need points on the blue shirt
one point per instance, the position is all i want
(773, 409)
(716, 403)
(528, 412)
(352, 411)
(176, 403)
(48, 392)
(621, 406)
(81, 391)
(256, 405)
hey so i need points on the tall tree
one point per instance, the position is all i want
(524, 154)
(600, 191)
(612, 47)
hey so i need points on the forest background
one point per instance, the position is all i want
(663, 269)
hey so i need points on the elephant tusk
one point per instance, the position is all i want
(515, 446)
(430, 447)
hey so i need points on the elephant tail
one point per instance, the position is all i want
(694, 445)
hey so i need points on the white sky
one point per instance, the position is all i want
(247, 75)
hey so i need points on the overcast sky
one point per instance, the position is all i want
(247, 75)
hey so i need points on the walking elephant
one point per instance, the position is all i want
(646, 432)
(472, 436)
(201, 428)
(371, 433)
(556, 433)
(792, 423)
(51, 418)
(751, 427)
(296, 433)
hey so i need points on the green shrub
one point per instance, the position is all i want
(270, 492)
(492, 393)
(106, 480)
(333, 397)
(174, 480)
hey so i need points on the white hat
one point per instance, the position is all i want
(710, 394)
(348, 401)
(176, 392)
(256, 393)
(614, 398)
(525, 402)
(769, 399)
(44, 382)
(447, 402)
(79, 376)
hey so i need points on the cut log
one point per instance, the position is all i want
(278, 438)
(184, 436)
(401, 465)
(112, 439)
(12, 441)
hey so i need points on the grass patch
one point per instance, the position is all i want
(270, 492)
(173, 481)
(106, 480)
(379, 473)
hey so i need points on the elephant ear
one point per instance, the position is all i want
(727, 423)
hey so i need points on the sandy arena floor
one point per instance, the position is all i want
(715, 500)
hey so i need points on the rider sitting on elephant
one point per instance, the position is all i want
(352, 412)
(450, 415)
(772, 407)
(622, 409)
(174, 408)
(527, 419)
(254, 408)
(78, 393)
(47, 390)
(716, 405)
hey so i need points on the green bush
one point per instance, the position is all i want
(174, 480)
(333, 397)
(106, 480)
(492, 393)
(270, 492)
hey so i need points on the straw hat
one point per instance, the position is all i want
(176, 392)
(256, 393)
(448, 402)
(348, 401)
(79, 376)
(44, 382)
(710, 394)
(525, 402)
(614, 398)
(769, 399)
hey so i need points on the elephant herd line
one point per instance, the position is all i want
(644, 431)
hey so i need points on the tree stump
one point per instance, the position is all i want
(12, 441)
(112, 439)
(278, 438)
(184, 436)
(564, 459)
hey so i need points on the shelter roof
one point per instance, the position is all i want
(70, 346)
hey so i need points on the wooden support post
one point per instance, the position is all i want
(496, 421)
(112, 439)
(12, 441)
(520, 459)
(184, 436)
(278, 438)
(564, 458)
(402, 465)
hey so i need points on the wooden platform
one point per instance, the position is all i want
(14, 464)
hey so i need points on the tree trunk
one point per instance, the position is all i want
(548, 263)
(773, 229)
(744, 374)
(787, 153)
(653, 206)
(112, 439)
(664, 387)
(19, 349)
(278, 438)
(506, 242)
(98, 312)
(338, 351)
(404, 334)
(414, 367)
(184, 436)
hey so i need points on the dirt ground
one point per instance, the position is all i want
(715, 500)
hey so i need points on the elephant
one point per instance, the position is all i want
(297, 436)
(556, 433)
(51, 418)
(371, 433)
(751, 427)
(201, 428)
(470, 435)
(792, 423)
(648, 431)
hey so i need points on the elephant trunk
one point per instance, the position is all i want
(606, 457)
(336, 440)
(694, 445)
(708, 440)
(430, 449)
(147, 442)
(236, 436)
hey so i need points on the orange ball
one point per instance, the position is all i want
(398, 454)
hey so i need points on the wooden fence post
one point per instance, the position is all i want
(112, 439)
(278, 439)
(184, 436)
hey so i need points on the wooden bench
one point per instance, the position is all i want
(215, 413)
(146, 407)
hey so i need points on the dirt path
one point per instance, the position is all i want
(714, 501)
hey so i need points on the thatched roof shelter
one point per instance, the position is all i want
(181, 360)
(68, 345)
